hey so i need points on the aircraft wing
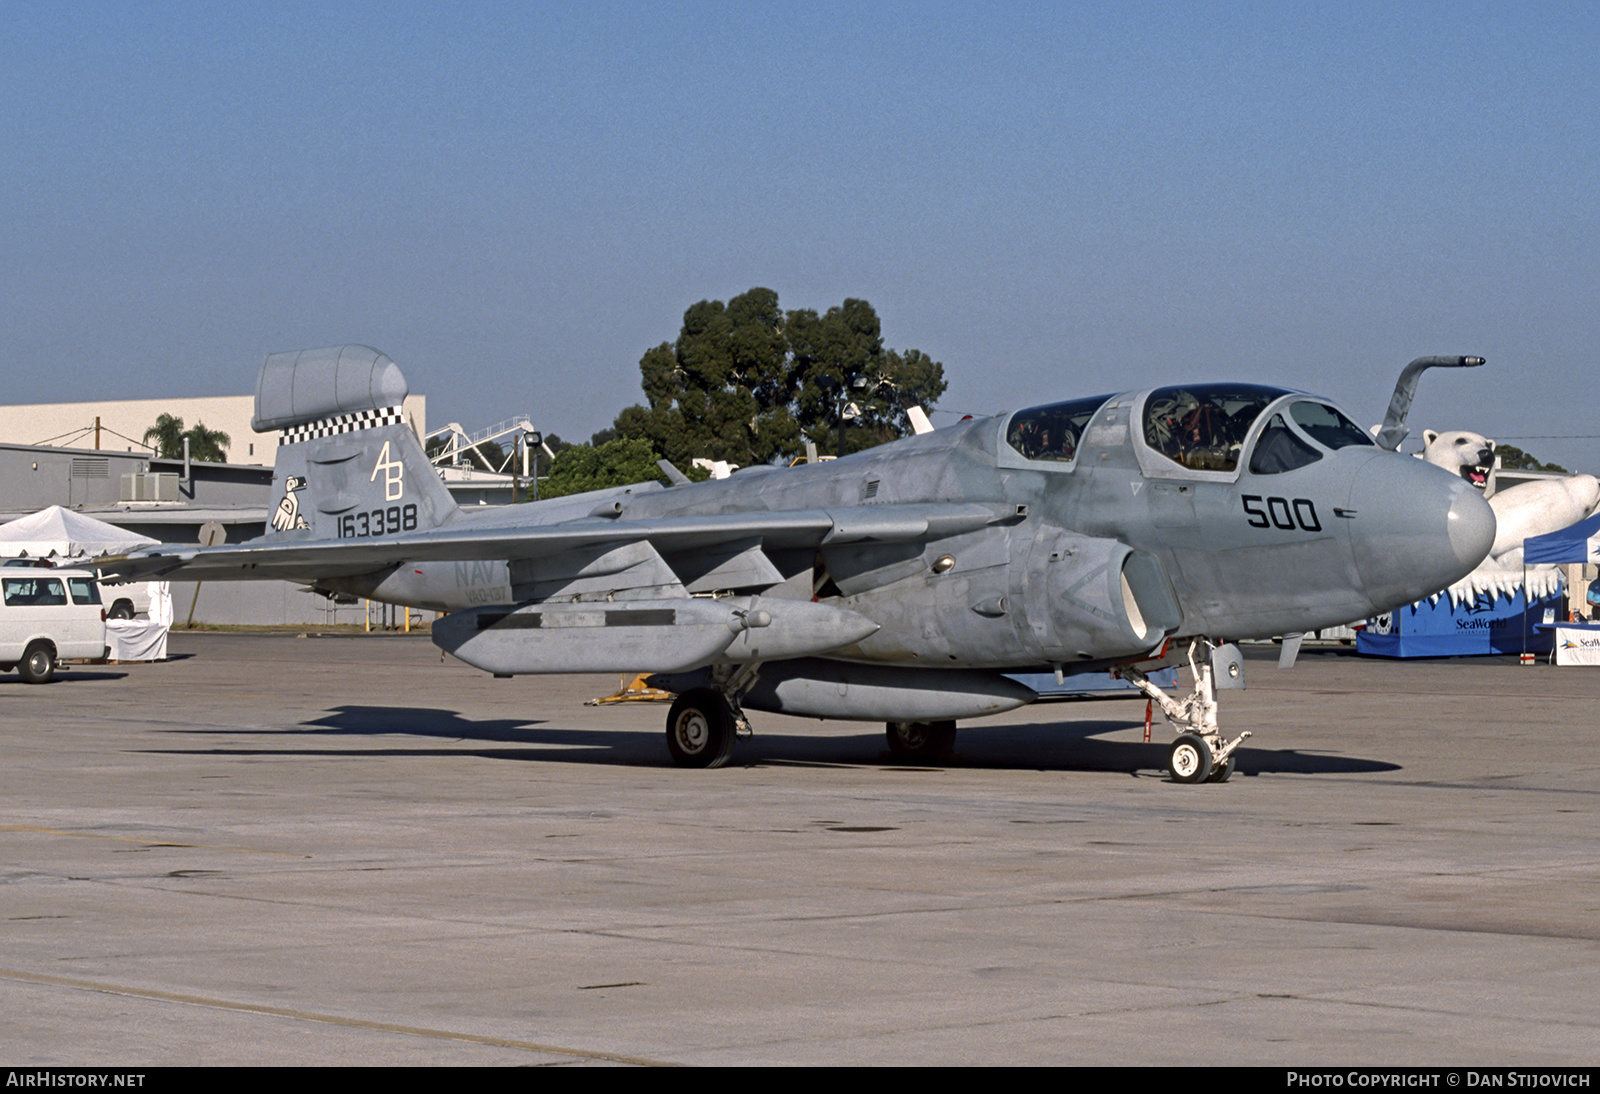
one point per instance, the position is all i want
(466, 540)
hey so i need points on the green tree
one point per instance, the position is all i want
(166, 437)
(722, 390)
(207, 445)
(835, 357)
(1515, 459)
(581, 467)
(746, 383)
(846, 376)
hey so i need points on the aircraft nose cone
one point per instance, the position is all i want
(1471, 524)
(1416, 529)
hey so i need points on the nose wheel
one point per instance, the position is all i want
(1199, 755)
(1193, 760)
(1190, 761)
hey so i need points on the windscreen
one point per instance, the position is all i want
(1317, 427)
(1328, 425)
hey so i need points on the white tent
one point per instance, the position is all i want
(65, 533)
(69, 535)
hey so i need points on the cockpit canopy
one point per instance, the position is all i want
(1203, 427)
(1052, 432)
(1200, 427)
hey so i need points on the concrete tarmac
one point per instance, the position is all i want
(343, 850)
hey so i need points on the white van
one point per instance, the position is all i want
(47, 616)
(127, 602)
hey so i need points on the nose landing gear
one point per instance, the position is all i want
(1199, 754)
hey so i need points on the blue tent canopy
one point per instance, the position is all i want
(1577, 543)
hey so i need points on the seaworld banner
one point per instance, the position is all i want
(1490, 621)
(1577, 645)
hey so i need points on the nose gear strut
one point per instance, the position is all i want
(1199, 754)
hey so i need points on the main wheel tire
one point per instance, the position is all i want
(700, 729)
(122, 609)
(38, 664)
(920, 740)
(1190, 761)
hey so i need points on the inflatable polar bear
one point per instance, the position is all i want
(1531, 509)
(1470, 455)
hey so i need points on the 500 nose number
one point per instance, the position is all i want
(1286, 513)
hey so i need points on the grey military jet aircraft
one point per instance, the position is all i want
(1123, 532)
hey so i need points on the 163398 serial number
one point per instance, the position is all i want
(379, 522)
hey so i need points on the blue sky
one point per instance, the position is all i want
(516, 201)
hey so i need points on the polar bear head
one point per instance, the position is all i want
(1470, 455)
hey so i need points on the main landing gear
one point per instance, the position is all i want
(702, 727)
(1199, 754)
(705, 722)
(921, 740)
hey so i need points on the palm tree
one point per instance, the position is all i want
(206, 445)
(167, 434)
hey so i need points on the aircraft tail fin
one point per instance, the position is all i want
(348, 465)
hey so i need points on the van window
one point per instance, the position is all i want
(85, 590)
(33, 591)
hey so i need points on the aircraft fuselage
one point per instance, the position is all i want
(1086, 559)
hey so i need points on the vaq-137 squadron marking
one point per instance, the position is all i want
(1124, 532)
